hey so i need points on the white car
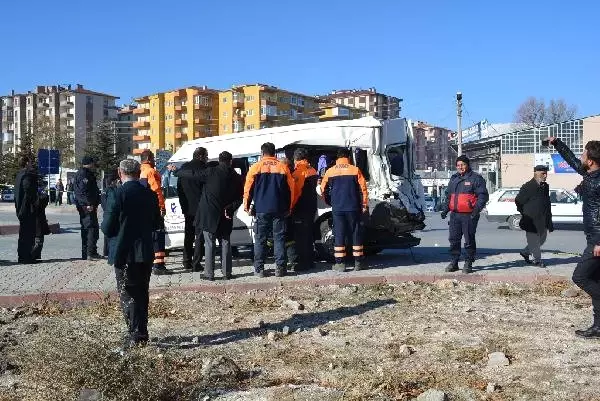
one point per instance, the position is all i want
(501, 207)
(429, 203)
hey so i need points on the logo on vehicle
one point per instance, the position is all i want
(173, 207)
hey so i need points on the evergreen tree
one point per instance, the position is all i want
(103, 146)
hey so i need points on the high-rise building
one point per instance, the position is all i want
(125, 130)
(433, 147)
(250, 107)
(73, 111)
(167, 119)
(374, 103)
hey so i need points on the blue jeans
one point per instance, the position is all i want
(264, 223)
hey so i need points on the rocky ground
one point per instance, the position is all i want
(438, 341)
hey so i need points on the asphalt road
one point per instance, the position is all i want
(491, 237)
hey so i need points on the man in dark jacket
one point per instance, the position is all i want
(587, 272)
(26, 185)
(87, 199)
(111, 183)
(221, 197)
(41, 222)
(533, 202)
(189, 192)
(132, 214)
(466, 196)
(304, 210)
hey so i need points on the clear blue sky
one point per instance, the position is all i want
(496, 52)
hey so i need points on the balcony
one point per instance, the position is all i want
(141, 124)
(141, 138)
(202, 120)
(180, 135)
(66, 104)
(138, 151)
(237, 102)
(8, 118)
(43, 104)
(181, 107)
(66, 115)
(198, 106)
(141, 110)
(179, 121)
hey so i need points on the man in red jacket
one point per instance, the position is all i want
(466, 196)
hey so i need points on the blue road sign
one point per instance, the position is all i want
(48, 161)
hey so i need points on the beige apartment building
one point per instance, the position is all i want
(432, 147)
(73, 110)
(374, 103)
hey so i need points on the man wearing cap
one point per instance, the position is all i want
(466, 196)
(87, 199)
(533, 202)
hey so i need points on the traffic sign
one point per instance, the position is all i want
(48, 161)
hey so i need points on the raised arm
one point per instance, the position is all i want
(567, 154)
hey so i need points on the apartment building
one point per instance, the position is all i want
(125, 130)
(332, 111)
(433, 147)
(250, 107)
(74, 111)
(374, 103)
(167, 119)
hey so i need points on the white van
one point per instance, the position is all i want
(383, 150)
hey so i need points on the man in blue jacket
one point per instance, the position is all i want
(466, 196)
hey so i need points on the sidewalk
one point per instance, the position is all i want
(72, 280)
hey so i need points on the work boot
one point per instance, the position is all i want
(452, 266)
(198, 269)
(160, 270)
(592, 332)
(358, 265)
(94, 257)
(280, 271)
(525, 257)
(339, 267)
(468, 267)
(539, 264)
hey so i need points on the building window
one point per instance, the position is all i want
(204, 100)
(300, 102)
(225, 127)
(250, 98)
(237, 126)
(294, 100)
(263, 111)
(225, 114)
(250, 112)
(224, 101)
(293, 114)
(29, 100)
(250, 126)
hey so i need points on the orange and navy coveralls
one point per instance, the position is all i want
(270, 185)
(151, 178)
(304, 210)
(466, 196)
(344, 188)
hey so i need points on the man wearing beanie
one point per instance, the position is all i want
(533, 202)
(87, 199)
(466, 197)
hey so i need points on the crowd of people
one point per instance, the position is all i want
(282, 198)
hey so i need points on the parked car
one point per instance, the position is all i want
(501, 207)
(429, 204)
(8, 195)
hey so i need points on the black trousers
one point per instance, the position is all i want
(348, 228)
(587, 277)
(26, 238)
(226, 259)
(133, 283)
(264, 225)
(300, 251)
(193, 243)
(462, 225)
(90, 232)
(38, 245)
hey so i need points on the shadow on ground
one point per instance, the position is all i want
(306, 321)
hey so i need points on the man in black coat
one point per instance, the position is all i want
(189, 192)
(533, 202)
(26, 198)
(221, 197)
(132, 215)
(587, 273)
(41, 222)
(87, 199)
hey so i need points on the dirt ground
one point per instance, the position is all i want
(310, 343)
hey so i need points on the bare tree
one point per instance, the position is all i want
(47, 134)
(532, 112)
(558, 111)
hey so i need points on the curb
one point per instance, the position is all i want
(14, 229)
(233, 288)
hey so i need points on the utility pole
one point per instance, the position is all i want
(459, 122)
